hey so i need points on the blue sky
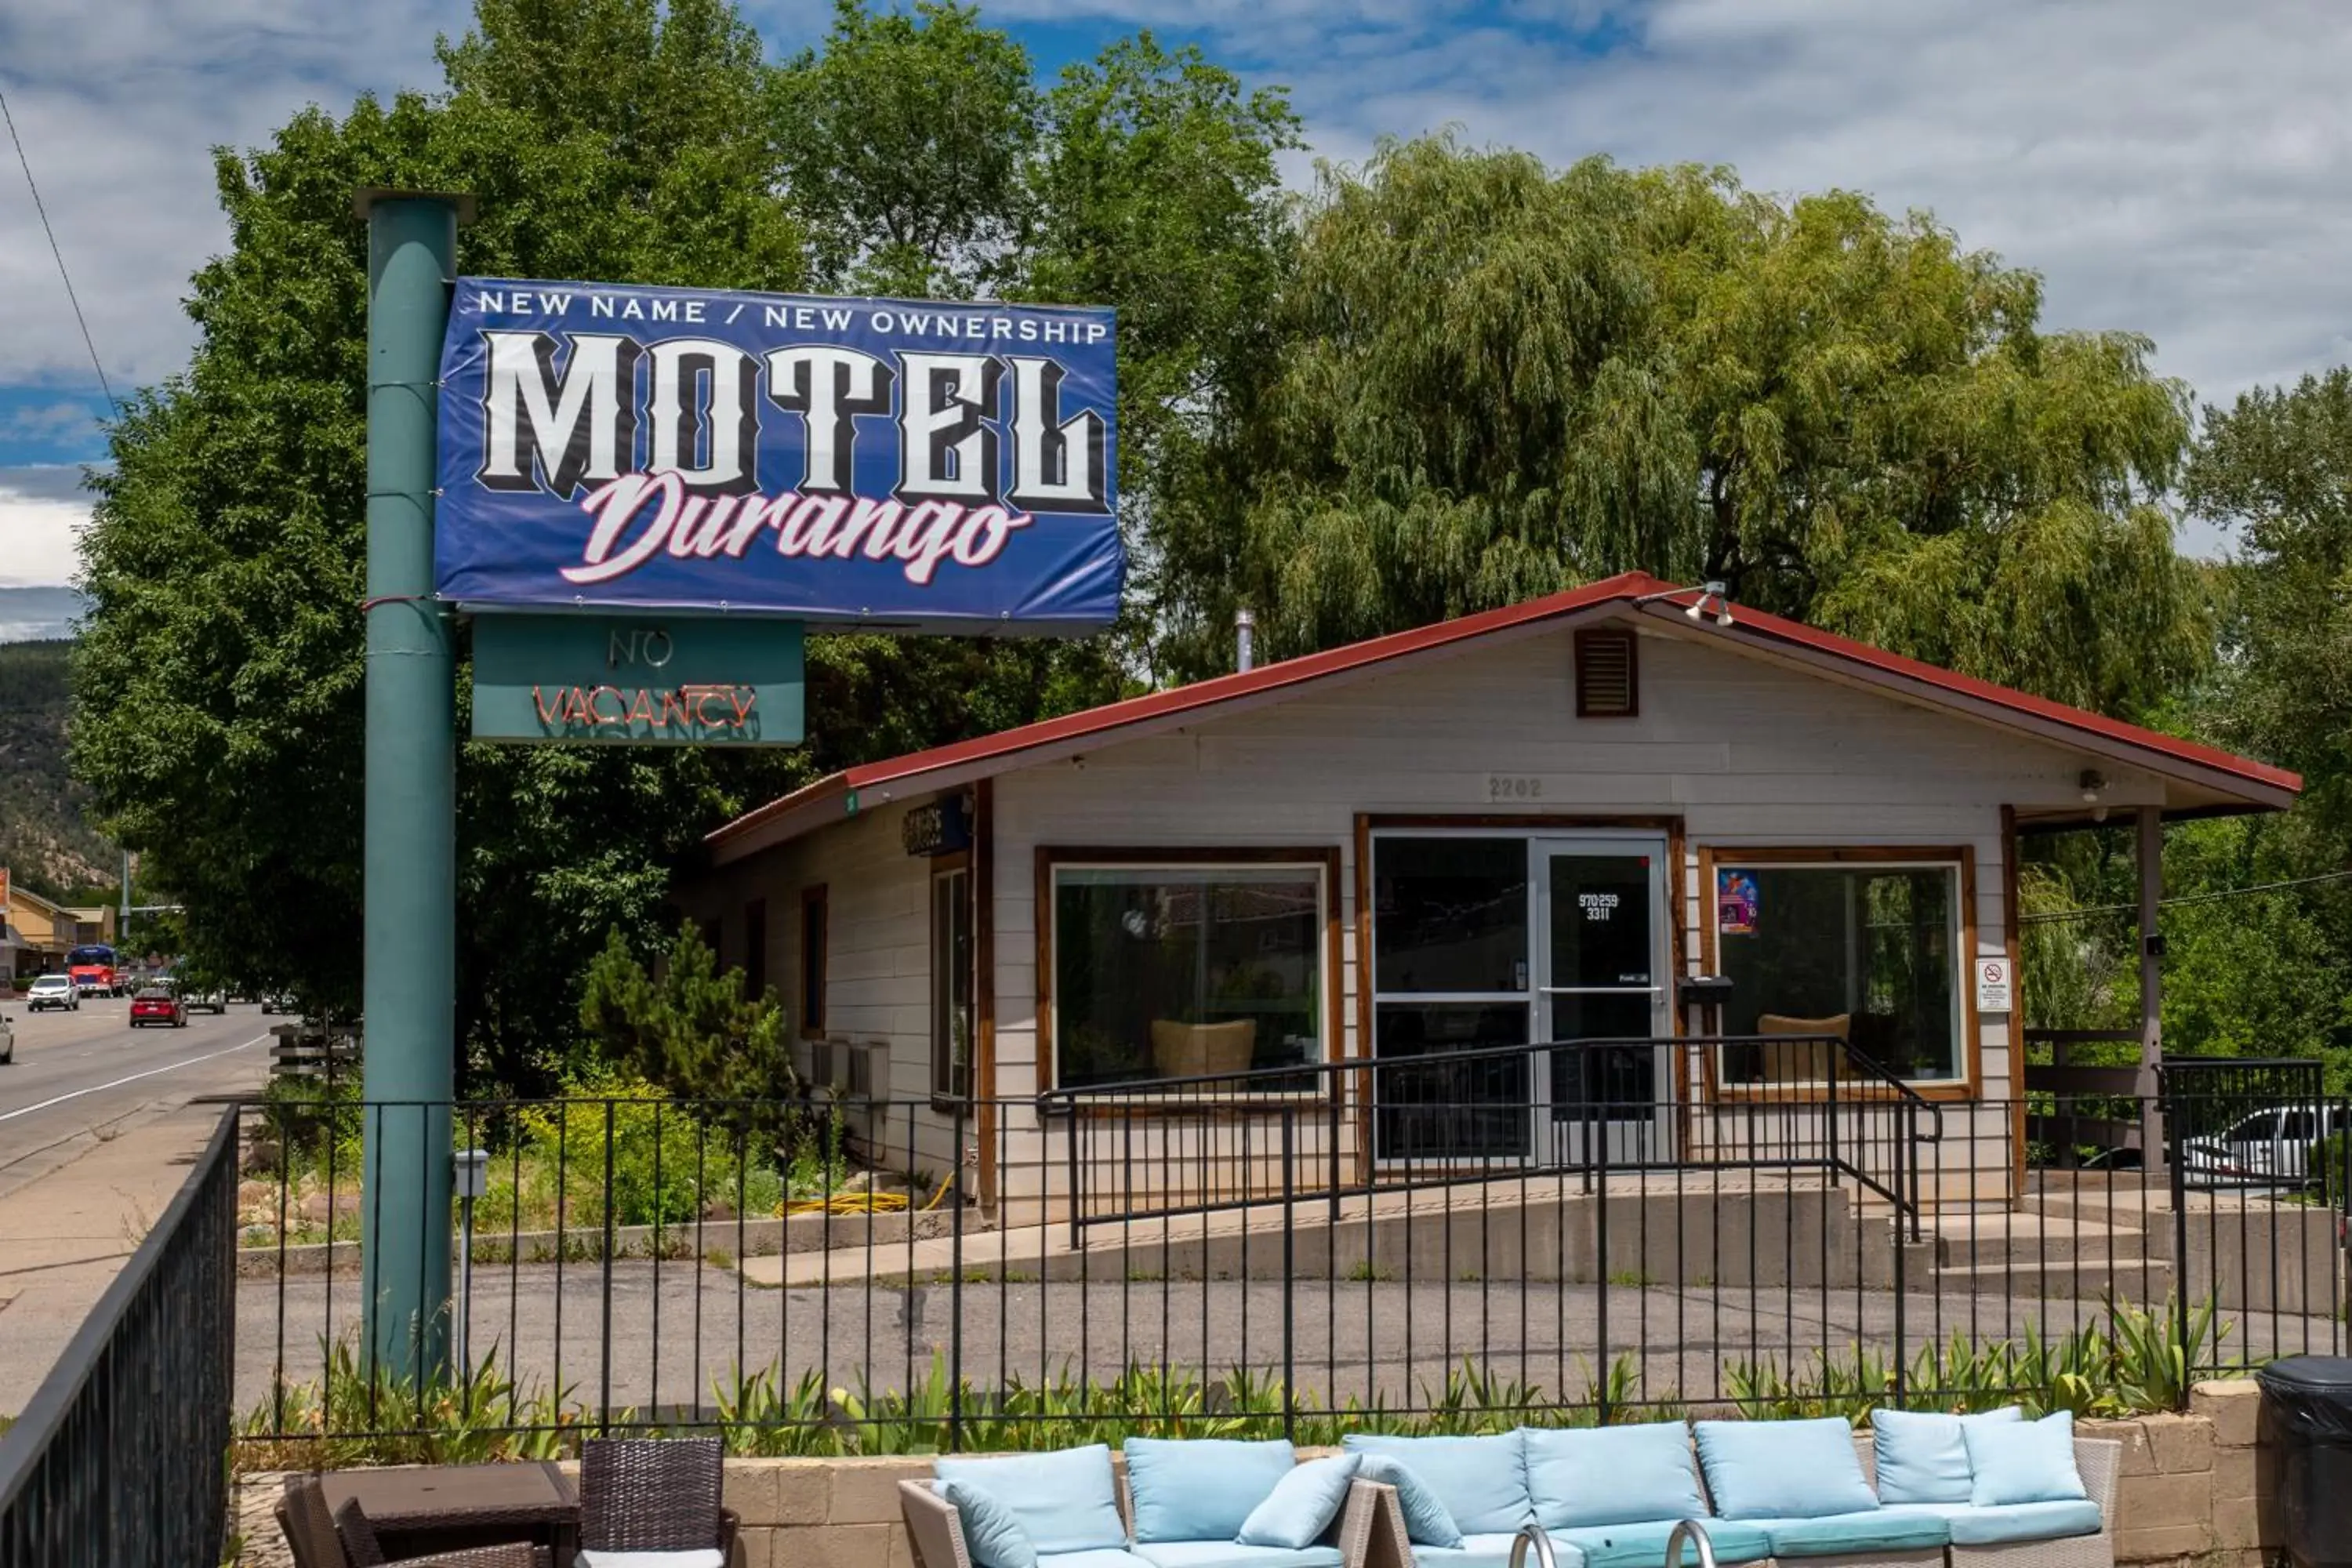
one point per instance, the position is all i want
(2174, 167)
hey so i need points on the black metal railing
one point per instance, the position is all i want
(1781, 1103)
(119, 1460)
(882, 1273)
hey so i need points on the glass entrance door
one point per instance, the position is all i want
(1605, 977)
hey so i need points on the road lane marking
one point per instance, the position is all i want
(134, 1078)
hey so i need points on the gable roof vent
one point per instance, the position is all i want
(1608, 683)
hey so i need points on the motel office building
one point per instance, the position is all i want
(1528, 824)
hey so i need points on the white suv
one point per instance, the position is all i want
(53, 990)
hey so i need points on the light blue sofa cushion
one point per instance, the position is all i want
(1872, 1529)
(2005, 1526)
(2030, 1461)
(1923, 1457)
(993, 1532)
(1201, 1489)
(1783, 1469)
(1612, 1475)
(1234, 1554)
(1094, 1557)
(1490, 1550)
(1300, 1509)
(1483, 1481)
(1065, 1500)
(1427, 1521)
(1644, 1544)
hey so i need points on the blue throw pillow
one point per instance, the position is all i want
(1065, 1500)
(991, 1532)
(1483, 1481)
(1783, 1469)
(1612, 1475)
(2024, 1462)
(1303, 1504)
(1201, 1489)
(1924, 1456)
(1427, 1521)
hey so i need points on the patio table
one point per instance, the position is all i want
(418, 1510)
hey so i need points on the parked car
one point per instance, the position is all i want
(158, 1004)
(2270, 1146)
(53, 990)
(7, 1041)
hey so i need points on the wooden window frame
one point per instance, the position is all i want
(1586, 636)
(814, 977)
(1324, 859)
(941, 867)
(1962, 857)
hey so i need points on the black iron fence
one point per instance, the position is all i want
(119, 1460)
(1767, 1224)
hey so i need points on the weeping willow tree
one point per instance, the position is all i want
(1492, 379)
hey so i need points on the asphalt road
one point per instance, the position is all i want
(81, 1077)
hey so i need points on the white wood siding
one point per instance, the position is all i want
(878, 961)
(1749, 754)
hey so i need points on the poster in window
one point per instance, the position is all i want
(1735, 903)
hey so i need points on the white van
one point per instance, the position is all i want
(2274, 1144)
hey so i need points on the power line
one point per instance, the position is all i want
(72, 298)
(2214, 897)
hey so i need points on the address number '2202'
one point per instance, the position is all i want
(1514, 786)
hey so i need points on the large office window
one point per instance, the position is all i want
(952, 983)
(1182, 970)
(1867, 952)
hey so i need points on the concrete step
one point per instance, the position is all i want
(2084, 1279)
(2030, 1239)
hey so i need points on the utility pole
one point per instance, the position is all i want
(408, 988)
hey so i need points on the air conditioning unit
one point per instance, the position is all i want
(868, 1074)
(828, 1065)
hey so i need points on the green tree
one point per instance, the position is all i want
(1496, 380)
(220, 682)
(219, 678)
(2275, 467)
(687, 1027)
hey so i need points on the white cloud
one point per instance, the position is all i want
(119, 106)
(42, 513)
(2170, 166)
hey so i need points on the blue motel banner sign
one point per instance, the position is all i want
(888, 463)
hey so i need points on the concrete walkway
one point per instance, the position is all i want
(63, 1238)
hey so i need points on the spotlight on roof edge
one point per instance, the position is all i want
(1710, 592)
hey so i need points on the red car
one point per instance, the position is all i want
(158, 1005)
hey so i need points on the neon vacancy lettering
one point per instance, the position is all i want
(700, 710)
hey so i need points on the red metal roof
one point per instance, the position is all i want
(1626, 589)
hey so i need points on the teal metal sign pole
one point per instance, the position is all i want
(408, 989)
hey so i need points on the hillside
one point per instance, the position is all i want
(43, 839)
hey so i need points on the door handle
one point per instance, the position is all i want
(1601, 990)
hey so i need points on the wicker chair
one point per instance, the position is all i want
(653, 1494)
(320, 1540)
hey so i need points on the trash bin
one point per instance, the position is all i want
(2308, 1422)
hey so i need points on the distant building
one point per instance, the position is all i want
(38, 934)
